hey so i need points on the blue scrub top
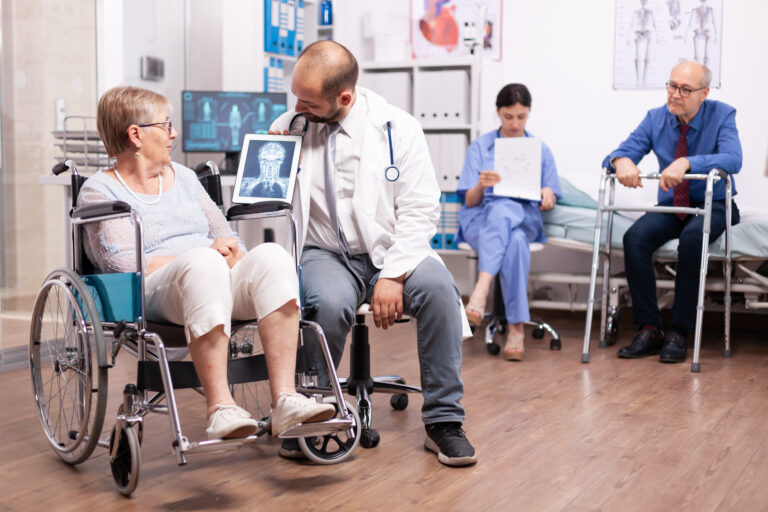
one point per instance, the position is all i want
(480, 158)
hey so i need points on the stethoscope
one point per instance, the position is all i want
(391, 172)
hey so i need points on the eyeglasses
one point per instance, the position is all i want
(169, 123)
(684, 91)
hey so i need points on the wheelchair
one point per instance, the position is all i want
(82, 320)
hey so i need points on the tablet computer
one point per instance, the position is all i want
(267, 169)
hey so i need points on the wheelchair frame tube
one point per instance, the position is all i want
(101, 353)
(334, 378)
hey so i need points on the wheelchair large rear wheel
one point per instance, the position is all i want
(334, 447)
(70, 389)
(254, 397)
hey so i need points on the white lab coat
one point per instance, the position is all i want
(396, 219)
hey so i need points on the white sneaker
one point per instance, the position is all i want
(230, 421)
(292, 409)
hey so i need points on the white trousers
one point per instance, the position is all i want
(198, 289)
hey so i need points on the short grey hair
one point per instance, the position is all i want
(706, 76)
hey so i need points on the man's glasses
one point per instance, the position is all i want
(684, 91)
(169, 125)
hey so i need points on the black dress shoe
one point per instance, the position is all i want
(674, 348)
(647, 342)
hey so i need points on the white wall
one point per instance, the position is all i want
(563, 50)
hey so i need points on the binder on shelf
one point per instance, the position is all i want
(454, 149)
(283, 28)
(273, 75)
(272, 26)
(291, 28)
(450, 203)
(299, 42)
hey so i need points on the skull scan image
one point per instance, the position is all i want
(268, 183)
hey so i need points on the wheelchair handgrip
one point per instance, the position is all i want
(206, 168)
(64, 166)
(256, 208)
(101, 209)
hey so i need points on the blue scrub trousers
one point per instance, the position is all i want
(649, 233)
(499, 230)
(331, 295)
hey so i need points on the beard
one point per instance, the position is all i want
(329, 118)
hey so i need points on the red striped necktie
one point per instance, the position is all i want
(681, 194)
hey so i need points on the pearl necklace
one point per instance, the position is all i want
(148, 203)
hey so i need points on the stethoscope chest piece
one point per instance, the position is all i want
(392, 173)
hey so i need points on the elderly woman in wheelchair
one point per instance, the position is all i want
(197, 272)
(170, 272)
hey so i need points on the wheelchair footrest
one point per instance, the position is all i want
(318, 429)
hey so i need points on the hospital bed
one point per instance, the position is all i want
(571, 226)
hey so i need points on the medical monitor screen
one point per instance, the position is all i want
(217, 121)
(268, 168)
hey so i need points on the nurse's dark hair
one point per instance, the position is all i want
(512, 94)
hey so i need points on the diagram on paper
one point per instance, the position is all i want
(651, 36)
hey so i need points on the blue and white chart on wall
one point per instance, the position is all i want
(651, 36)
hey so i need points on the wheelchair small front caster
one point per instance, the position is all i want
(399, 402)
(369, 438)
(493, 348)
(555, 344)
(336, 446)
(126, 460)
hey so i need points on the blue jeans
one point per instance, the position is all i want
(331, 295)
(649, 233)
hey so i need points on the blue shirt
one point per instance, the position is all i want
(480, 158)
(713, 143)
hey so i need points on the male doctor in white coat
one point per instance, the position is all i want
(368, 239)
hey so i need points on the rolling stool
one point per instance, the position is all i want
(361, 385)
(497, 319)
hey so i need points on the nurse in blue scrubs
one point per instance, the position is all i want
(500, 228)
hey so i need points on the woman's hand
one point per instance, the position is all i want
(547, 199)
(474, 196)
(488, 179)
(229, 249)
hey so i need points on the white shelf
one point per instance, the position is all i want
(445, 127)
(460, 62)
(289, 58)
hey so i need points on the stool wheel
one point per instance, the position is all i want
(538, 333)
(369, 438)
(493, 348)
(555, 344)
(399, 402)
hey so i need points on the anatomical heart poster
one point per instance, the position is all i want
(453, 28)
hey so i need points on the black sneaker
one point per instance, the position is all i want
(290, 449)
(450, 444)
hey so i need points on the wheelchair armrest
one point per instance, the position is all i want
(101, 209)
(244, 211)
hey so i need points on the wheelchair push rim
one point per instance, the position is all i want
(64, 375)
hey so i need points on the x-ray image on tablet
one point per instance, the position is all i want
(267, 170)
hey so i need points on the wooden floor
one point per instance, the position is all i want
(551, 434)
